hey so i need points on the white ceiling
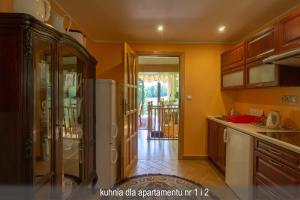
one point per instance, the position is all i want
(184, 20)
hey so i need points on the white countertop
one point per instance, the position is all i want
(253, 130)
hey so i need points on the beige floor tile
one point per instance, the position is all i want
(163, 160)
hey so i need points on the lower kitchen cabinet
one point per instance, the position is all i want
(276, 172)
(216, 144)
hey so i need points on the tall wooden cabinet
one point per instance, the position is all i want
(47, 86)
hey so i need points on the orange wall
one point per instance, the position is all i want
(109, 57)
(5, 5)
(269, 99)
(202, 82)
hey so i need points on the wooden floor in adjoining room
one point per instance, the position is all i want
(160, 157)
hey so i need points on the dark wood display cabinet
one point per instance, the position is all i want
(276, 172)
(47, 115)
(216, 144)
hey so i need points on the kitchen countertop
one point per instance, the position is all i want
(253, 130)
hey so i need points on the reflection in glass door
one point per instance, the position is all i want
(73, 120)
(42, 146)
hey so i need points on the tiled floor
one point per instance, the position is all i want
(161, 157)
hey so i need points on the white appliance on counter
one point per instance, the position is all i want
(239, 163)
(107, 142)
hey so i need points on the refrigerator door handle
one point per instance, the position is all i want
(225, 139)
(115, 132)
(115, 155)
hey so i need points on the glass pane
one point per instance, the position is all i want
(43, 110)
(233, 79)
(262, 73)
(73, 119)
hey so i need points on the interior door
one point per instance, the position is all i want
(130, 114)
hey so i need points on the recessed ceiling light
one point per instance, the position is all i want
(160, 28)
(221, 28)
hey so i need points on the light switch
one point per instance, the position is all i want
(189, 98)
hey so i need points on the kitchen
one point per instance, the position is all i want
(239, 96)
(254, 151)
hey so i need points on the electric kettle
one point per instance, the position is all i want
(273, 120)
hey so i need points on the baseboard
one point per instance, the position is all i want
(195, 157)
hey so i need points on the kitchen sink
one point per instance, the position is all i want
(223, 118)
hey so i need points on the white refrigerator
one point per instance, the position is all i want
(239, 163)
(107, 140)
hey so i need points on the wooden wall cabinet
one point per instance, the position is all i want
(289, 30)
(262, 45)
(278, 38)
(276, 172)
(233, 79)
(233, 68)
(216, 144)
(234, 57)
(33, 61)
(259, 74)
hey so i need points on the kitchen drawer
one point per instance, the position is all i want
(287, 157)
(263, 191)
(282, 180)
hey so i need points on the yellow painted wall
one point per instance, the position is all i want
(269, 99)
(109, 57)
(5, 5)
(202, 82)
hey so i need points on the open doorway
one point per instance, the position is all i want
(158, 103)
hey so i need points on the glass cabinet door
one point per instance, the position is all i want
(262, 74)
(71, 99)
(43, 109)
(233, 79)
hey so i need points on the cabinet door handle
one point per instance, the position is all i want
(28, 154)
(275, 163)
(115, 156)
(274, 152)
(225, 135)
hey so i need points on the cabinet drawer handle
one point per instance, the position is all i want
(225, 136)
(275, 163)
(274, 152)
